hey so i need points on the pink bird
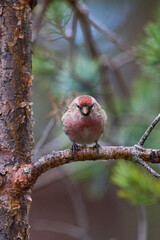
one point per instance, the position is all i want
(84, 121)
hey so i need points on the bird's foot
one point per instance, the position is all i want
(97, 146)
(74, 148)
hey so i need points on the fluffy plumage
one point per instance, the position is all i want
(84, 120)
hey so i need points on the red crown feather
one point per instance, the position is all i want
(85, 100)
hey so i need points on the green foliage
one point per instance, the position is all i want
(136, 185)
(145, 96)
(44, 68)
(58, 11)
(149, 50)
(58, 15)
(144, 106)
(82, 73)
(86, 68)
(39, 61)
(151, 45)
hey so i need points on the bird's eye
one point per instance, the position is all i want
(92, 105)
(77, 106)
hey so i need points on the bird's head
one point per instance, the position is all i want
(85, 104)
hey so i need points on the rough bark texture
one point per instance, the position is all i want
(15, 109)
(15, 113)
(27, 175)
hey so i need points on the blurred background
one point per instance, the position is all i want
(109, 49)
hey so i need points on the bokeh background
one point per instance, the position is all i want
(109, 49)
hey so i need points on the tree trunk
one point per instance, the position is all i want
(16, 139)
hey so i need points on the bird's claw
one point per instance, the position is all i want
(97, 146)
(74, 148)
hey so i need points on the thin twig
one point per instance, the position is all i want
(122, 59)
(55, 144)
(88, 37)
(142, 223)
(109, 34)
(115, 64)
(44, 136)
(141, 143)
(72, 38)
(107, 91)
(77, 202)
(48, 54)
(63, 228)
(38, 19)
(81, 12)
(120, 80)
(148, 168)
(149, 130)
(86, 21)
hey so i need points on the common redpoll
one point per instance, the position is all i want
(84, 121)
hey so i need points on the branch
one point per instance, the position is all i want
(148, 168)
(64, 228)
(27, 175)
(77, 201)
(86, 21)
(120, 80)
(45, 134)
(142, 141)
(72, 38)
(142, 223)
(109, 34)
(149, 130)
(121, 59)
(81, 12)
(38, 19)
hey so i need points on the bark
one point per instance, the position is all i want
(15, 113)
(27, 175)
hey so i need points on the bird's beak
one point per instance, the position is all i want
(85, 110)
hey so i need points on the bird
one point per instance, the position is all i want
(84, 122)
